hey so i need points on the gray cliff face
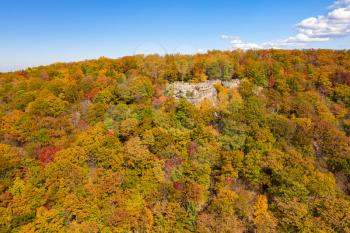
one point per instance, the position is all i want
(197, 92)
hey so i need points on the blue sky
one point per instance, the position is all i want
(40, 32)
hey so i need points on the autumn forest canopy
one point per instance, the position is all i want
(99, 146)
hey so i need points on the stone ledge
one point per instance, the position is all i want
(197, 92)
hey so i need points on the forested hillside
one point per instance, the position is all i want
(96, 146)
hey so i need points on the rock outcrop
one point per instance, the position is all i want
(197, 92)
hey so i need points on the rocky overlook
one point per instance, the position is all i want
(197, 92)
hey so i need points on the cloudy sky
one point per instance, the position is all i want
(326, 27)
(40, 32)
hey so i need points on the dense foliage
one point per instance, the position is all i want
(96, 146)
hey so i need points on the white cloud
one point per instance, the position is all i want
(339, 3)
(340, 14)
(237, 43)
(245, 46)
(314, 29)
